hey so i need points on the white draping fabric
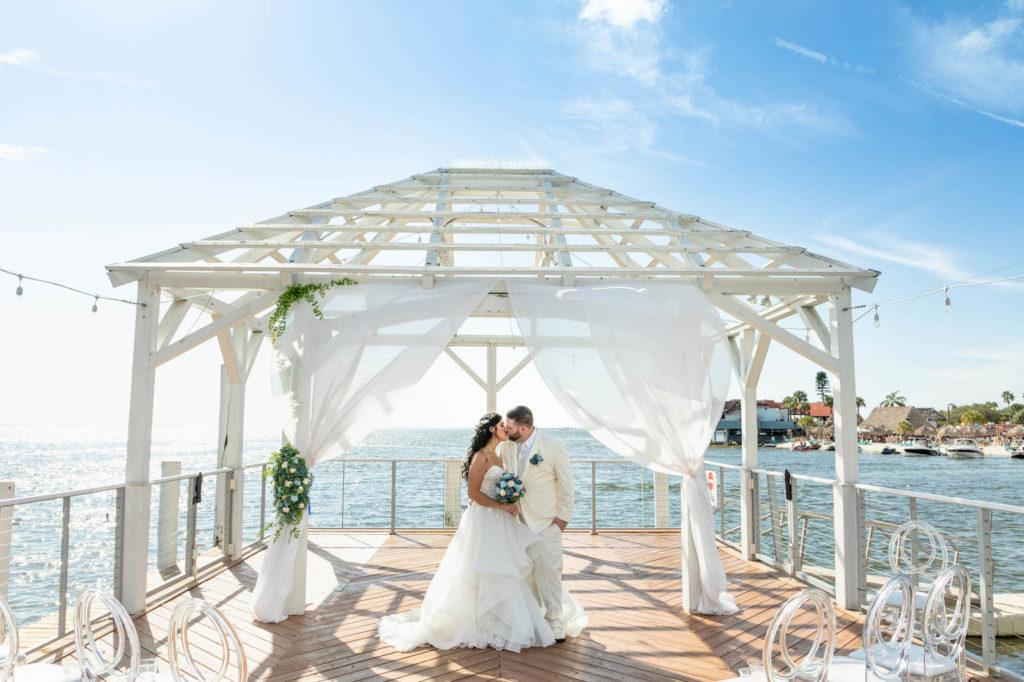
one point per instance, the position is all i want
(644, 367)
(338, 378)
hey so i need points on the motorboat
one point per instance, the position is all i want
(1016, 449)
(890, 451)
(964, 449)
(921, 448)
(815, 446)
(802, 447)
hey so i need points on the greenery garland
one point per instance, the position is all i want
(311, 293)
(292, 482)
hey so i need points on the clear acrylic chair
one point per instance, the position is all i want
(124, 637)
(887, 637)
(807, 621)
(944, 622)
(183, 667)
(29, 672)
(918, 550)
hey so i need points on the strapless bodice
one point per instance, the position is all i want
(490, 481)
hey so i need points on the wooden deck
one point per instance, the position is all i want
(628, 582)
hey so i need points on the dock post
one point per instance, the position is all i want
(661, 515)
(6, 519)
(167, 517)
(134, 546)
(452, 492)
(849, 530)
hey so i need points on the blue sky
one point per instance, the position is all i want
(889, 135)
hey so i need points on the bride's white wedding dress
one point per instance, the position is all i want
(479, 596)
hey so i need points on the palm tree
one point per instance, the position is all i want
(860, 403)
(971, 417)
(829, 401)
(894, 399)
(1008, 398)
(904, 428)
(821, 385)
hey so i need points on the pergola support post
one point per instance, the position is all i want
(492, 377)
(848, 531)
(752, 354)
(228, 534)
(135, 545)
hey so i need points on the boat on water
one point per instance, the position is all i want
(1016, 449)
(890, 451)
(802, 447)
(964, 449)
(921, 448)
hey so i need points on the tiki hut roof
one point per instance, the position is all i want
(925, 430)
(1016, 432)
(948, 431)
(888, 418)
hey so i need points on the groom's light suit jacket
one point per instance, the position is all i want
(549, 486)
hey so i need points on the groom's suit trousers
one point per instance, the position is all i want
(547, 576)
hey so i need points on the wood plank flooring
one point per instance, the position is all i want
(628, 582)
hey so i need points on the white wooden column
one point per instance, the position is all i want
(229, 446)
(661, 508)
(847, 516)
(6, 521)
(492, 378)
(753, 351)
(135, 533)
(167, 518)
(295, 604)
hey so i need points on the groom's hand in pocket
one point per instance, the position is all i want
(560, 523)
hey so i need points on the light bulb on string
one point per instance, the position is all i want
(765, 301)
(19, 291)
(876, 316)
(807, 335)
(95, 303)
(752, 298)
(949, 306)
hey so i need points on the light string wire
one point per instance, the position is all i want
(95, 297)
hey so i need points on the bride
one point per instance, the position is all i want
(479, 596)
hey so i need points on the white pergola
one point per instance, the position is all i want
(485, 223)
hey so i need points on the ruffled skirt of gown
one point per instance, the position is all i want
(479, 596)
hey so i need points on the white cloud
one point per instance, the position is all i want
(623, 13)
(617, 122)
(10, 152)
(979, 63)
(19, 57)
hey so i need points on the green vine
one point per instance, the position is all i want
(311, 293)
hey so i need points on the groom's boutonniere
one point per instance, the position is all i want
(536, 459)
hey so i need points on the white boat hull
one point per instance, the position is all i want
(956, 453)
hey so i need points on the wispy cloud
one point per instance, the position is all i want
(821, 57)
(10, 152)
(29, 59)
(18, 57)
(977, 64)
(625, 38)
(911, 253)
(802, 51)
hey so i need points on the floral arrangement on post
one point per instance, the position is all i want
(292, 481)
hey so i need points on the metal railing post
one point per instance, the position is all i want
(119, 542)
(195, 496)
(593, 498)
(721, 502)
(986, 581)
(263, 502)
(394, 492)
(773, 509)
(791, 517)
(6, 523)
(65, 539)
(167, 517)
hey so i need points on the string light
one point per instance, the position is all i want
(876, 316)
(765, 301)
(96, 297)
(949, 306)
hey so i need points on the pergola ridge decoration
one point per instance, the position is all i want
(482, 223)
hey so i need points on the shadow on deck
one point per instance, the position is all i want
(628, 582)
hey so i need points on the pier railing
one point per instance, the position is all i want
(196, 516)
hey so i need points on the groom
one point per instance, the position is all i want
(542, 463)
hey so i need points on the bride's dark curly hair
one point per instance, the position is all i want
(481, 437)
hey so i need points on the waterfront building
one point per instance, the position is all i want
(774, 422)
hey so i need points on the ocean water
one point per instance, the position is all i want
(43, 460)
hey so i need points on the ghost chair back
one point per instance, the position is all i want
(183, 666)
(8, 640)
(946, 617)
(801, 639)
(125, 638)
(889, 631)
(917, 549)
